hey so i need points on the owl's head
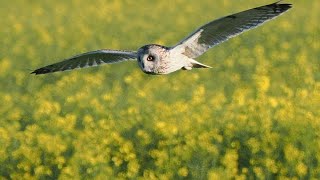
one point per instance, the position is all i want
(150, 58)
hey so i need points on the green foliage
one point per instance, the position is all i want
(255, 114)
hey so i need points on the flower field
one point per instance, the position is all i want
(254, 115)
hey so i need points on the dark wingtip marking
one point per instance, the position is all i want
(41, 71)
(277, 7)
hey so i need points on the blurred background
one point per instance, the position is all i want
(255, 114)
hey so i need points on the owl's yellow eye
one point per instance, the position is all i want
(150, 58)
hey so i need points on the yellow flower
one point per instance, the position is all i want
(302, 169)
(271, 165)
(183, 172)
(291, 153)
(45, 36)
(263, 83)
(133, 168)
(117, 161)
(5, 65)
(273, 102)
(48, 108)
(199, 94)
(259, 50)
(230, 161)
(254, 144)
(18, 27)
(42, 170)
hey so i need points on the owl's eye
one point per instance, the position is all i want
(150, 58)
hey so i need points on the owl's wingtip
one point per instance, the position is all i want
(282, 5)
(40, 71)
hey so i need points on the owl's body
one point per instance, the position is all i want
(157, 59)
(164, 60)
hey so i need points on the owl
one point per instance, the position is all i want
(157, 59)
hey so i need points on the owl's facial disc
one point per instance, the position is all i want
(148, 59)
(149, 63)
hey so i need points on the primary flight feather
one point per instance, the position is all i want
(157, 59)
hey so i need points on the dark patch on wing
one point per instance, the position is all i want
(41, 71)
(276, 7)
(188, 51)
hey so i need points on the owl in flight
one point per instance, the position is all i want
(157, 59)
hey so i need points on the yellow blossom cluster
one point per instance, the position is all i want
(254, 115)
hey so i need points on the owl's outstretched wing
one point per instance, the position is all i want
(89, 59)
(222, 29)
